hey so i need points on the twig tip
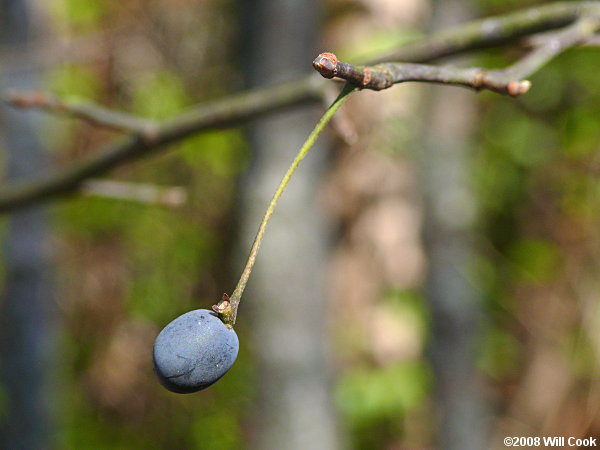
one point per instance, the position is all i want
(26, 99)
(516, 88)
(326, 64)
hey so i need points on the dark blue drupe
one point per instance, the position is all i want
(194, 351)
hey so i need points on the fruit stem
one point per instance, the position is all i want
(230, 314)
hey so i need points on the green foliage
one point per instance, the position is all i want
(168, 95)
(216, 431)
(222, 152)
(375, 400)
(164, 273)
(413, 306)
(535, 260)
(579, 350)
(376, 43)
(368, 394)
(547, 91)
(83, 428)
(90, 217)
(499, 353)
(579, 133)
(83, 14)
(73, 82)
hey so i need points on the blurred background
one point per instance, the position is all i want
(429, 280)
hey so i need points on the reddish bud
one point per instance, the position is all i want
(516, 88)
(326, 64)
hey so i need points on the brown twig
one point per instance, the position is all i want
(385, 75)
(552, 44)
(94, 114)
(491, 32)
(508, 81)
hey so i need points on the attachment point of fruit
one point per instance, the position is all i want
(225, 311)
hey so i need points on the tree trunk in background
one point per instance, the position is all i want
(286, 296)
(26, 317)
(449, 215)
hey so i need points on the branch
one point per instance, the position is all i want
(136, 192)
(219, 114)
(239, 108)
(94, 114)
(385, 75)
(491, 32)
(507, 81)
(593, 41)
(551, 45)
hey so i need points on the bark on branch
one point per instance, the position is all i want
(491, 32)
(88, 112)
(508, 81)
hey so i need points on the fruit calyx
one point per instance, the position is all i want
(225, 311)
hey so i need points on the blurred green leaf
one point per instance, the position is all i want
(547, 89)
(534, 259)
(223, 152)
(73, 82)
(579, 350)
(166, 252)
(498, 353)
(411, 304)
(369, 394)
(159, 95)
(90, 217)
(377, 42)
(580, 130)
(527, 142)
(216, 431)
(84, 14)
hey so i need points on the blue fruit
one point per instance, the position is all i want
(194, 351)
